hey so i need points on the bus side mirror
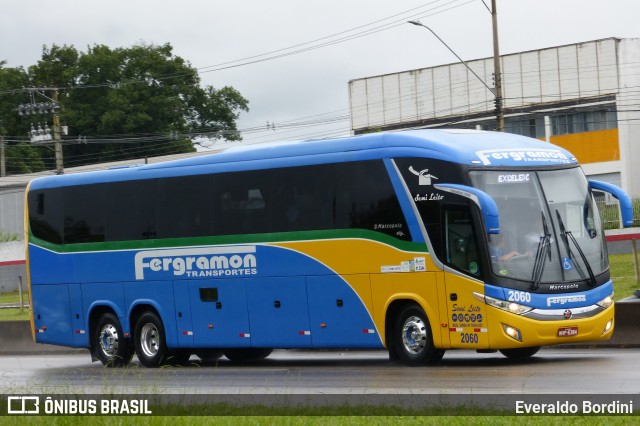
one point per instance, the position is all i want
(483, 200)
(626, 209)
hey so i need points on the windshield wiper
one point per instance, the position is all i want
(544, 250)
(566, 236)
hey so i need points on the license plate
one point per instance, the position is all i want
(567, 331)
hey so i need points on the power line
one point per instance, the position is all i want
(336, 38)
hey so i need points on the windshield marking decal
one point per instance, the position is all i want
(489, 156)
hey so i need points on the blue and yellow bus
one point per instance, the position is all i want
(418, 242)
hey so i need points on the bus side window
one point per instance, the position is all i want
(46, 213)
(461, 247)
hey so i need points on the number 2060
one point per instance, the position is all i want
(519, 296)
(468, 338)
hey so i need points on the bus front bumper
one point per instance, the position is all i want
(508, 330)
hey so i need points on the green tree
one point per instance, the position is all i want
(133, 102)
(58, 67)
(23, 158)
(10, 80)
(20, 157)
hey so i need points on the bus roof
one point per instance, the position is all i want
(468, 147)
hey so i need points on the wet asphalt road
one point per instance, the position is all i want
(567, 371)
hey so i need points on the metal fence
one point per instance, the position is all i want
(610, 214)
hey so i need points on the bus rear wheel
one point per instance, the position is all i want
(413, 341)
(150, 341)
(520, 353)
(247, 355)
(109, 344)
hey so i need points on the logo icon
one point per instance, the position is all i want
(567, 263)
(23, 405)
(424, 177)
(568, 314)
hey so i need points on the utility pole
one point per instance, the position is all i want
(56, 134)
(497, 89)
(3, 167)
(497, 69)
(43, 134)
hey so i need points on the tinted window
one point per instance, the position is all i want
(45, 215)
(334, 196)
(183, 206)
(84, 219)
(132, 209)
(461, 248)
(420, 176)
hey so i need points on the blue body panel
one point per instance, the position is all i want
(465, 147)
(279, 302)
(555, 300)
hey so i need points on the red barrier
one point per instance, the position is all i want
(629, 234)
(12, 263)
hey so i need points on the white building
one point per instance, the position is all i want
(584, 97)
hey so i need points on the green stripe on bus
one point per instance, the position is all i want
(232, 239)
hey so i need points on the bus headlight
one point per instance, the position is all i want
(606, 302)
(512, 332)
(512, 307)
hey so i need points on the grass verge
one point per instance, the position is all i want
(623, 275)
(452, 419)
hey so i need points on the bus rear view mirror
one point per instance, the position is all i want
(483, 200)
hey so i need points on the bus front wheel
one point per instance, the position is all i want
(110, 346)
(151, 346)
(413, 340)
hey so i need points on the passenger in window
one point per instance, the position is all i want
(499, 251)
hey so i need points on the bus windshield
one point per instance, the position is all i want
(550, 228)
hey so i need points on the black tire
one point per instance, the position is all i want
(150, 341)
(247, 355)
(437, 356)
(520, 353)
(109, 343)
(413, 339)
(209, 355)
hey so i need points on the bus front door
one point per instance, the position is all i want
(466, 315)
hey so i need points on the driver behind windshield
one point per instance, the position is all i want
(499, 251)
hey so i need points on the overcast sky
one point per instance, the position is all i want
(363, 38)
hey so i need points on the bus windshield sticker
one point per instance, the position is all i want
(515, 156)
(513, 178)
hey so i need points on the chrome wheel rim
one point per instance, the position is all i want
(109, 340)
(414, 335)
(149, 340)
